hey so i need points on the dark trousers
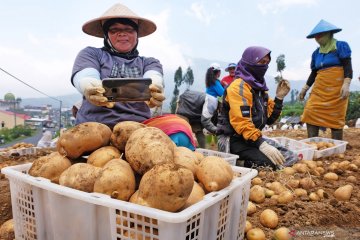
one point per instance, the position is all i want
(251, 155)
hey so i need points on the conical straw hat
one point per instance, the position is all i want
(94, 26)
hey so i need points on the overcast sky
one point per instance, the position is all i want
(40, 38)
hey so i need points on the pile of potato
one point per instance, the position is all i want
(132, 163)
(296, 183)
(17, 146)
(321, 145)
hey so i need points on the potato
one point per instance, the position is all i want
(121, 133)
(293, 183)
(269, 193)
(166, 187)
(307, 183)
(251, 208)
(101, 156)
(117, 180)
(147, 147)
(300, 192)
(83, 138)
(343, 193)
(330, 176)
(7, 230)
(50, 166)
(255, 234)
(277, 187)
(257, 194)
(344, 165)
(199, 156)
(314, 197)
(269, 218)
(256, 181)
(321, 193)
(300, 167)
(134, 197)
(186, 158)
(289, 171)
(285, 197)
(282, 234)
(214, 173)
(351, 179)
(139, 233)
(80, 176)
(197, 194)
(248, 226)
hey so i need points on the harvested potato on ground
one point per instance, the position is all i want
(269, 218)
(282, 233)
(166, 187)
(307, 183)
(257, 194)
(214, 173)
(285, 197)
(80, 176)
(186, 158)
(251, 208)
(255, 234)
(248, 226)
(122, 132)
(50, 166)
(147, 147)
(343, 193)
(83, 138)
(197, 194)
(117, 180)
(7, 230)
(101, 156)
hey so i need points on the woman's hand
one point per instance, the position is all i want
(282, 89)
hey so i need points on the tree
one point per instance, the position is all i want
(280, 63)
(294, 93)
(178, 79)
(188, 77)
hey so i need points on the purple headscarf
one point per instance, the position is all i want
(251, 72)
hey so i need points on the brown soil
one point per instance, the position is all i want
(306, 219)
(327, 218)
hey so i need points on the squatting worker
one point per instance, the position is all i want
(331, 74)
(118, 58)
(247, 108)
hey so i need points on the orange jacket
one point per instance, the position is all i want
(248, 110)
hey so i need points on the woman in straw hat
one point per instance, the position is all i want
(331, 73)
(118, 58)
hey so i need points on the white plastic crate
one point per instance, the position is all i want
(302, 150)
(230, 158)
(340, 146)
(47, 211)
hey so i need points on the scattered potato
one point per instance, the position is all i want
(255, 234)
(7, 231)
(343, 193)
(285, 197)
(289, 171)
(300, 192)
(251, 208)
(307, 183)
(256, 181)
(314, 197)
(248, 226)
(50, 166)
(351, 179)
(282, 234)
(269, 218)
(330, 176)
(257, 194)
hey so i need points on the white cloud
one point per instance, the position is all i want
(198, 10)
(160, 46)
(276, 6)
(301, 72)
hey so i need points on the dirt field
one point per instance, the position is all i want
(306, 219)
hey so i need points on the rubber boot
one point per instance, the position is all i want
(337, 134)
(312, 130)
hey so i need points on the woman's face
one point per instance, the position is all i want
(265, 60)
(122, 37)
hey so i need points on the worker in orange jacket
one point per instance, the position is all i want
(247, 108)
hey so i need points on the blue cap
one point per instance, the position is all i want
(323, 26)
(231, 65)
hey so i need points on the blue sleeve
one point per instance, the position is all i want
(313, 56)
(219, 89)
(343, 49)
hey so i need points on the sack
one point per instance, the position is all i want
(190, 105)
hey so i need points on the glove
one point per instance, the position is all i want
(282, 89)
(93, 92)
(272, 153)
(157, 96)
(303, 92)
(344, 93)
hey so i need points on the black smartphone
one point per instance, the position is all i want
(127, 89)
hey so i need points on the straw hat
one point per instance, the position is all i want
(94, 26)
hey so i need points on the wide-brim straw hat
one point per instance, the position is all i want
(94, 26)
